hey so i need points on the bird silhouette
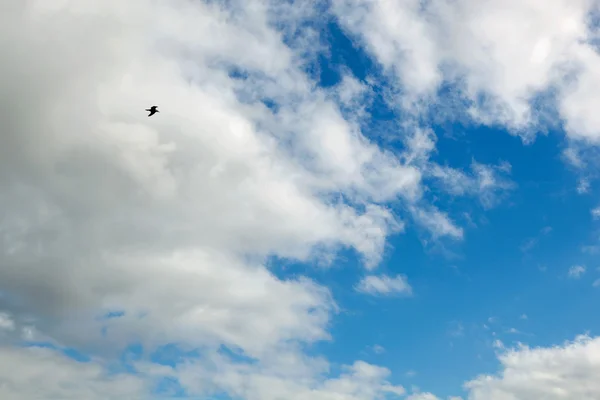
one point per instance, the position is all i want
(153, 110)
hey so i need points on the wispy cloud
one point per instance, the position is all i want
(384, 285)
(456, 329)
(576, 271)
(583, 186)
(532, 242)
(377, 349)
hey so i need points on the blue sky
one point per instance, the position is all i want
(349, 199)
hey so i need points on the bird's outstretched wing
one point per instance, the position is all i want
(153, 110)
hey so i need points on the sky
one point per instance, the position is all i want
(338, 200)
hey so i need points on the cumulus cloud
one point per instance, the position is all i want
(169, 222)
(384, 285)
(422, 396)
(34, 373)
(285, 378)
(512, 77)
(561, 372)
(171, 217)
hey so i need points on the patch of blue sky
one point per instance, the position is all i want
(173, 354)
(70, 352)
(169, 387)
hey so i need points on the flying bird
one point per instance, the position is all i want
(153, 110)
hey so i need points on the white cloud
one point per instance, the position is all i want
(171, 220)
(576, 271)
(596, 283)
(583, 186)
(384, 285)
(506, 75)
(422, 396)
(531, 242)
(566, 372)
(488, 183)
(288, 376)
(377, 349)
(456, 329)
(513, 331)
(172, 217)
(34, 373)
(437, 222)
(596, 213)
(572, 157)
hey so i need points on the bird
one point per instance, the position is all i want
(153, 110)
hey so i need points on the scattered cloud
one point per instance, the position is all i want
(173, 220)
(523, 316)
(576, 271)
(438, 223)
(590, 249)
(571, 156)
(422, 396)
(456, 329)
(540, 366)
(532, 242)
(489, 183)
(377, 349)
(505, 79)
(583, 186)
(384, 285)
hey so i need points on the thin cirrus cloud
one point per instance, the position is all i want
(384, 285)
